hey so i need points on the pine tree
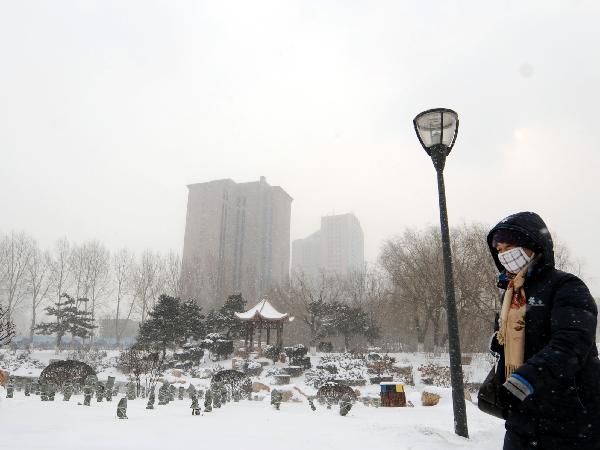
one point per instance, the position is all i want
(7, 328)
(161, 330)
(192, 320)
(70, 318)
(223, 320)
(318, 317)
(171, 323)
(350, 321)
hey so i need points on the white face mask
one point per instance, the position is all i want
(514, 259)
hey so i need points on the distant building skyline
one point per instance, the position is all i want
(237, 240)
(337, 247)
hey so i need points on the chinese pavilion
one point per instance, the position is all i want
(263, 316)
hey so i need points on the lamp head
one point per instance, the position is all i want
(437, 127)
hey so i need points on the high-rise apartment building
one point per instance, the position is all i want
(338, 247)
(237, 240)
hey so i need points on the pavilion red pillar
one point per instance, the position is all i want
(280, 335)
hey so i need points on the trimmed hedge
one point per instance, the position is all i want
(61, 372)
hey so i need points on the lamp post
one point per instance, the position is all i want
(437, 129)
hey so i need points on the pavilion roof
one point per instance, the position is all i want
(263, 310)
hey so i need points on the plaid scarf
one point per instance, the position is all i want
(512, 323)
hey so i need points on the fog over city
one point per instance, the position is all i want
(108, 109)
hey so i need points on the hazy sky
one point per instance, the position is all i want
(109, 108)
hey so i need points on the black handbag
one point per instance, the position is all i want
(489, 397)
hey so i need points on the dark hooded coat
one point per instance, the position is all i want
(561, 358)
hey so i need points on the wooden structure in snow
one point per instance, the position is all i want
(392, 394)
(263, 316)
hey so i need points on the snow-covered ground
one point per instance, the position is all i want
(28, 423)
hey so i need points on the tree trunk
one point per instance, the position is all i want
(422, 333)
(117, 317)
(438, 331)
(58, 342)
(32, 329)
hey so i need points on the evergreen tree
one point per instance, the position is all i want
(319, 319)
(70, 318)
(193, 325)
(171, 323)
(224, 321)
(349, 321)
(162, 329)
(7, 328)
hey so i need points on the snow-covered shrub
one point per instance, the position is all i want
(60, 372)
(346, 367)
(332, 393)
(20, 360)
(234, 380)
(296, 351)
(379, 364)
(344, 361)
(187, 357)
(374, 356)
(303, 362)
(329, 366)
(403, 374)
(325, 347)
(379, 357)
(252, 368)
(435, 375)
(219, 346)
(272, 352)
(272, 371)
(317, 377)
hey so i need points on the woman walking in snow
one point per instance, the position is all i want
(548, 360)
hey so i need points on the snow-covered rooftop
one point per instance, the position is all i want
(263, 310)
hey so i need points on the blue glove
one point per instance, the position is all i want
(518, 386)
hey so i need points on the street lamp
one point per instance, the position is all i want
(437, 129)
